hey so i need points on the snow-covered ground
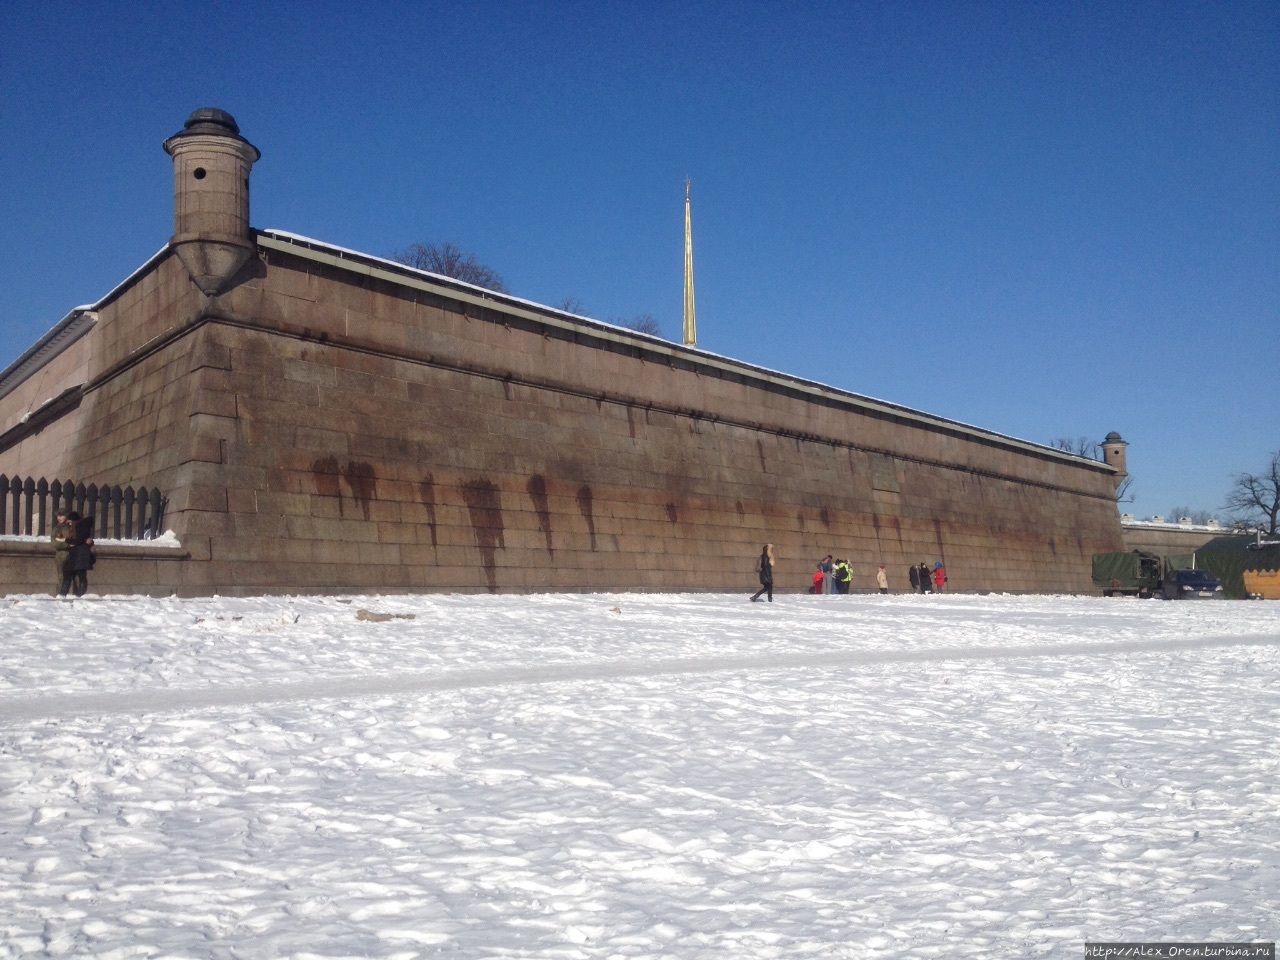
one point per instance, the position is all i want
(635, 776)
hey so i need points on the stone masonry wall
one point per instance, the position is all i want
(1166, 541)
(372, 438)
(133, 365)
(322, 429)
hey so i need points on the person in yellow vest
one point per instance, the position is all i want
(842, 575)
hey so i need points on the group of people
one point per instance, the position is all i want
(73, 552)
(834, 575)
(924, 580)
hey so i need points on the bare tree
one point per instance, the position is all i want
(571, 305)
(1080, 446)
(1254, 499)
(642, 323)
(448, 260)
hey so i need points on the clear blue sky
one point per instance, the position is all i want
(1045, 218)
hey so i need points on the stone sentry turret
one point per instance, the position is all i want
(1113, 453)
(211, 164)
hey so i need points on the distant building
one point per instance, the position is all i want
(1156, 535)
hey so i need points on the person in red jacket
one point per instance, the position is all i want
(939, 577)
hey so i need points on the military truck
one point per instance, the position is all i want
(1132, 574)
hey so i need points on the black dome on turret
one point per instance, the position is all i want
(210, 122)
(211, 116)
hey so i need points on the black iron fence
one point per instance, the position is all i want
(28, 508)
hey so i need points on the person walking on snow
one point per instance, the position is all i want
(913, 574)
(882, 579)
(765, 567)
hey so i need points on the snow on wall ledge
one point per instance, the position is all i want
(147, 567)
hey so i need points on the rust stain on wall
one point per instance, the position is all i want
(825, 517)
(585, 505)
(537, 488)
(427, 494)
(363, 484)
(742, 511)
(327, 475)
(484, 503)
(672, 514)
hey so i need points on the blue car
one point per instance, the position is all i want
(1191, 585)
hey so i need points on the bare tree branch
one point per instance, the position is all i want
(1255, 498)
(1080, 446)
(643, 323)
(571, 305)
(448, 260)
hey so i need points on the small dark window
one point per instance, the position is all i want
(199, 173)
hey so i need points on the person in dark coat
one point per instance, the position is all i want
(843, 576)
(80, 559)
(765, 567)
(913, 574)
(926, 584)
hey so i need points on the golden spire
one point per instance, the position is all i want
(690, 322)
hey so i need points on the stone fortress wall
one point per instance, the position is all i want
(1167, 539)
(327, 421)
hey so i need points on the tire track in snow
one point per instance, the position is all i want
(54, 706)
